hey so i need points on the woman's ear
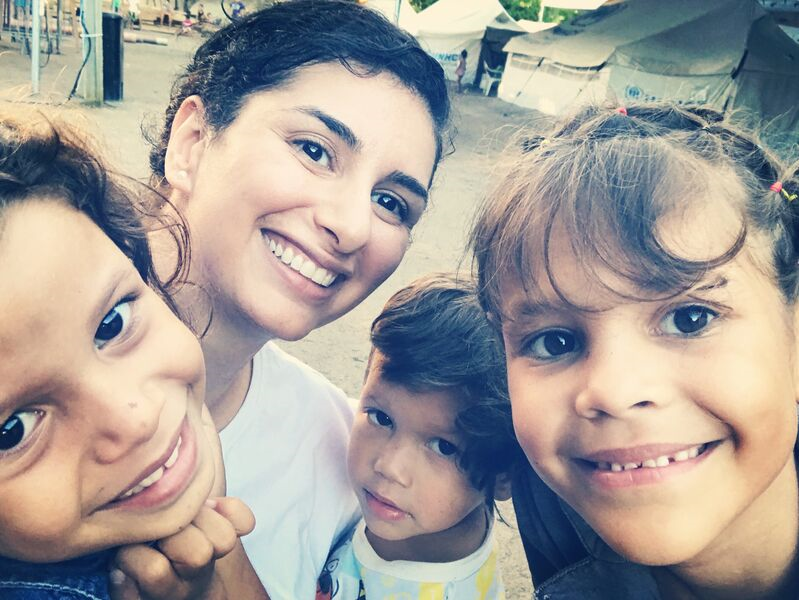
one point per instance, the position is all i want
(502, 487)
(187, 140)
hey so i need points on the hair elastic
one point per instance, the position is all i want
(622, 111)
(777, 188)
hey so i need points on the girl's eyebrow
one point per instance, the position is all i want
(334, 125)
(718, 282)
(111, 280)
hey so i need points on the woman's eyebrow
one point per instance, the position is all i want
(412, 184)
(334, 125)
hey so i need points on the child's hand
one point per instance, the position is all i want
(190, 564)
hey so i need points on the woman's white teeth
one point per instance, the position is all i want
(654, 463)
(302, 264)
(155, 475)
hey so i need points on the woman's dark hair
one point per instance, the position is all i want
(433, 335)
(265, 49)
(607, 177)
(45, 158)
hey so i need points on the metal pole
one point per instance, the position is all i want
(37, 26)
(397, 12)
(92, 78)
(541, 8)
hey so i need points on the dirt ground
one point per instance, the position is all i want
(338, 350)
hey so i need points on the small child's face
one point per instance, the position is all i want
(101, 388)
(665, 423)
(403, 461)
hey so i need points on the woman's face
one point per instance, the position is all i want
(305, 203)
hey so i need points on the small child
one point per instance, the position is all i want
(460, 70)
(430, 451)
(103, 438)
(641, 263)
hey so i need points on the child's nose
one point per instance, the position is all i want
(121, 418)
(621, 377)
(393, 462)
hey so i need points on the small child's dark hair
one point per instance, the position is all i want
(433, 335)
(43, 157)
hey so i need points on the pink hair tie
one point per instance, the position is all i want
(777, 188)
(622, 111)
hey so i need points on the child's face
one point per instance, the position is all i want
(101, 389)
(667, 424)
(403, 461)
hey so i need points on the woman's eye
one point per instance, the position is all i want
(379, 418)
(553, 344)
(396, 208)
(113, 323)
(687, 320)
(316, 153)
(443, 447)
(18, 427)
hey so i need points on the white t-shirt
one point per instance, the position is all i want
(355, 571)
(285, 455)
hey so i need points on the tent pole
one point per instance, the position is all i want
(397, 12)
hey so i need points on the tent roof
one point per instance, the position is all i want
(642, 32)
(408, 17)
(460, 16)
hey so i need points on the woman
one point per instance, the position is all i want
(300, 145)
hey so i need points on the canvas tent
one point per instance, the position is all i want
(728, 54)
(408, 17)
(449, 26)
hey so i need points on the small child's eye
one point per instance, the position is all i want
(443, 447)
(378, 417)
(17, 428)
(687, 320)
(113, 323)
(552, 344)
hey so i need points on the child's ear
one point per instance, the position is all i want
(186, 145)
(502, 487)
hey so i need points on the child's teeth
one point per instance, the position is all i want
(153, 477)
(288, 256)
(278, 250)
(296, 264)
(173, 457)
(273, 246)
(308, 269)
(653, 463)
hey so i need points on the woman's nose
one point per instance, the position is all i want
(622, 376)
(347, 217)
(121, 416)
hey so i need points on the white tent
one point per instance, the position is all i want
(449, 26)
(408, 17)
(723, 53)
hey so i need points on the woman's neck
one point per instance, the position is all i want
(228, 363)
(755, 557)
(455, 543)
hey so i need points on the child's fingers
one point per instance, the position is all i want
(151, 571)
(122, 587)
(192, 551)
(236, 512)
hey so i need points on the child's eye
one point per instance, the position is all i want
(394, 209)
(687, 320)
(443, 447)
(553, 344)
(18, 427)
(113, 323)
(378, 417)
(315, 152)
